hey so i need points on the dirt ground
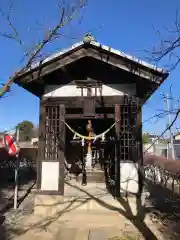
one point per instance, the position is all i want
(164, 209)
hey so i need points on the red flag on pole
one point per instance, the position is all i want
(11, 144)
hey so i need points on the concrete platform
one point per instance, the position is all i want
(86, 213)
(91, 198)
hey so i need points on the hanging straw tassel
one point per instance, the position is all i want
(103, 137)
(82, 142)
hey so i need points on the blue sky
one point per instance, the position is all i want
(126, 25)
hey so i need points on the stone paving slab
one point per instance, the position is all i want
(79, 226)
(81, 234)
(97, 234)
(67, 234)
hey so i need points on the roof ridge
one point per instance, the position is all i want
(104, 47)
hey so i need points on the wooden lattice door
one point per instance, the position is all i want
(52, 142)
(54, 132)
(128, 142)
(128, 131)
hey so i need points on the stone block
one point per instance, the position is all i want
(97, 234)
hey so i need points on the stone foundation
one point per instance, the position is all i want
(93, 197)
(82, 199)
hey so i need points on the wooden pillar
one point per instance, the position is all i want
(117, 150)
(61, 149)
(51, 150)
(41, 143)
(139, 136)
(140, 150)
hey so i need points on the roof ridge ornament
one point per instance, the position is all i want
(88, 38)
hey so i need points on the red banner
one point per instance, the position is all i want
(11, 145)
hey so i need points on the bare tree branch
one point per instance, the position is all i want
(64, 20)
(168, 50)
(15, 35)
(168, 46)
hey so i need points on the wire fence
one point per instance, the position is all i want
(166, 179)
(27, 168)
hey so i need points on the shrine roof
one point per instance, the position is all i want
(101, 46)
(29, 79)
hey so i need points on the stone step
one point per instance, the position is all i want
(94, 197)
(78, 205)
(92, 176)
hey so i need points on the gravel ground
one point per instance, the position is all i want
(164, 209)
(11, 218)
(7, 196)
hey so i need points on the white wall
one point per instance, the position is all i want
(129, 177)
(177, 137)
(71, 90)
(148, 147)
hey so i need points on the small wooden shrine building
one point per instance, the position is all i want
(90, 115)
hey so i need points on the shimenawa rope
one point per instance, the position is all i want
(89, 137)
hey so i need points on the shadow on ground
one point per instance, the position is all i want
(137, 220)
(27, 179)
(165, 208)
(3, 230)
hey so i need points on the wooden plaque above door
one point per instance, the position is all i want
(89, 106)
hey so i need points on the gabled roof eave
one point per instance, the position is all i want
(75, 46)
